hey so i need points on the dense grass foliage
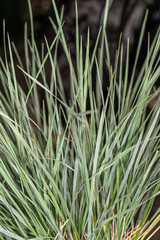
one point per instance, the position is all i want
(84, 168)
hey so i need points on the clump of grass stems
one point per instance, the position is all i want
(95, 174)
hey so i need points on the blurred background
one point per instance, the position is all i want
(124, 16)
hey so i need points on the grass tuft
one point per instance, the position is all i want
(87, 167)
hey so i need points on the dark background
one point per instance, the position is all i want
(124, 16)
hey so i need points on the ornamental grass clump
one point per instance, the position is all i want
(87, 167)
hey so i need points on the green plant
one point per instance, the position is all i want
(94, 176)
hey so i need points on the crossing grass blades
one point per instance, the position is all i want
(95, 175)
